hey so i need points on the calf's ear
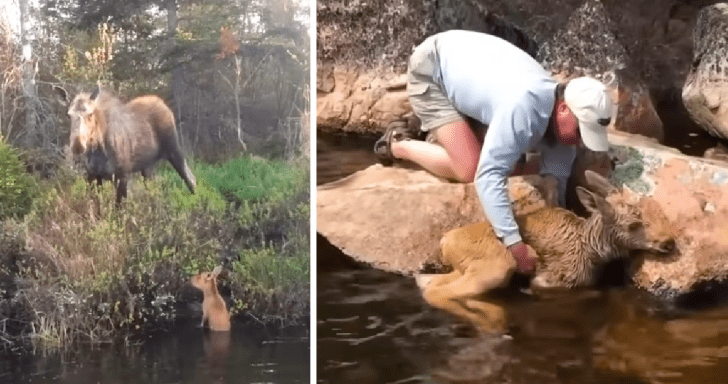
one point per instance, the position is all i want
(599, 183)
(593, 202)
(217, 270)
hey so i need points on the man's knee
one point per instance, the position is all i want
(467, 173)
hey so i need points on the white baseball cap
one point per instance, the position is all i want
(589, 101)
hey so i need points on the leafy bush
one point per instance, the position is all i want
(17, 187)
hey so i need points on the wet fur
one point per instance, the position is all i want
(570, 250)
(214, 310)
(119, 139)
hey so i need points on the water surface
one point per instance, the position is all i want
(185, 354)
(374, 327)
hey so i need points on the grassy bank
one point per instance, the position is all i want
(73, 267)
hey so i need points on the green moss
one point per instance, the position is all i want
(630, 168)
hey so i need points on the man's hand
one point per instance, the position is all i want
(525, 257)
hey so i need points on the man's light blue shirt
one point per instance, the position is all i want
(495, 82)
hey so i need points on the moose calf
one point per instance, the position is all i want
(570, 249)
(214, 310)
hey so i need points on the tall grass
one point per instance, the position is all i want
(83, 269)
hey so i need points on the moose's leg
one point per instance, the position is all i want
(426, 279)
(121, 189)
(456, 292)
(148, 172)
(442, 291)
(91, 179)
(490, 273)
(205, 315)
(451, 293)
(491, 317)
(180, 165)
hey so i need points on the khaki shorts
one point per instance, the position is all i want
(428, 100)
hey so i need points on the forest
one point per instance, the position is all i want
(235, 73)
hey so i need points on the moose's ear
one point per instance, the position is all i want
(598, 183)
(95, 93)
(217, 270)
(62, 94)
(592, 202)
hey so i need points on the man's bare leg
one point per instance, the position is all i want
(456, 159)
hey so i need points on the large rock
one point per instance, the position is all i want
(362, 60)
(360, 98)
(394, 218)
(693, 194)
(363, 102)
(655, 33)
(705, 92)
(587, 46)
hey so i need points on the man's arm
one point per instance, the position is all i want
(496, 160)
(508, 136)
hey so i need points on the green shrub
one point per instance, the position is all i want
(17, 187)
(94, 270)
(252, 179)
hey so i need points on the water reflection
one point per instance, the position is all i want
(217, 350)
(189, 354)
(374, 327)
(688, 349)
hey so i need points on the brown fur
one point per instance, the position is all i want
(214, 310)
(119, 139)
(569, 248)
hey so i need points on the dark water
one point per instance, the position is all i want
(340, 155)
(374, 327)
(186, 354)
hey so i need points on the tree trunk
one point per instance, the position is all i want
(237, 102)
(29, 91)
(176, 72)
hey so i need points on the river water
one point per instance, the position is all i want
(374, 327)
(184, 354)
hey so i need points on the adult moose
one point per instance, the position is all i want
(119, 139)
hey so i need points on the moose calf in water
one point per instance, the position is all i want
(570, 249)
(119, 139)
(214, 310)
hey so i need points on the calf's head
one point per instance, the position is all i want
(207, 281)
(626, 228)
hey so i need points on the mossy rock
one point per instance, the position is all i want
(629, 169)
